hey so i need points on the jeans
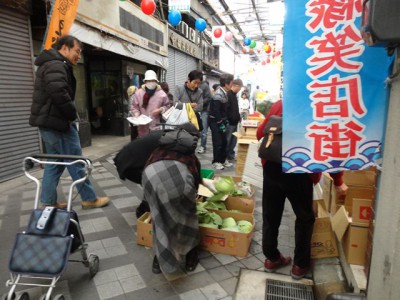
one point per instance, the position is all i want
(298, 189)
(204, 118)
(218, 142)
(231, 141)
(64, 143)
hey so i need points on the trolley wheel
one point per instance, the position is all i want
(5, 297)
(23, 296)
(93, 264)
(59, 297)
(43, 297)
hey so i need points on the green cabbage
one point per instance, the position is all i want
(245, 226)
(225, 185)
(228, 222)
(209, 225)
(234, 228)
(215, 219)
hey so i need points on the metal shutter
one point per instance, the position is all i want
(191, 64)
(180, 68)
(17, 138)
(171, 70)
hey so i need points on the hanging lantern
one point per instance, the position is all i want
(148, 7)
(218, 33)
(200, 25)
(174, 17)
(244, 50)
(228, 36)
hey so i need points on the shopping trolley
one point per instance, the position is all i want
(41, 252)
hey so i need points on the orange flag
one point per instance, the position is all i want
(62, 17)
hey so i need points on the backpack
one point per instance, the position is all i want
(271, 144)
(179, 140)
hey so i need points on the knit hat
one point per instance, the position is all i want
(131, 90)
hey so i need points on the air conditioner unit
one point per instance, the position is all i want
(192, 35)
(185, 30)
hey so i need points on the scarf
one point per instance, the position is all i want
(191, 161)
(147, 96)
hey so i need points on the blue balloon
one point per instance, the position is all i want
(247, 41)
(174, 17)
(200, 25)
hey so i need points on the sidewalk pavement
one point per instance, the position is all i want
(125, 267)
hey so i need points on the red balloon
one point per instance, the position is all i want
(244, 50)
(148, 6)
(263, 63)
(278, 53)
(218, 32)
(268, 60)
(251, 51)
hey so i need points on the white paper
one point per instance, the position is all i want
(141, 120)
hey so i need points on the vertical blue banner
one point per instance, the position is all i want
(334, 94)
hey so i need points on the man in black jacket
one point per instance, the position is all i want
(217, 121)
(53, 111)
(233, 115)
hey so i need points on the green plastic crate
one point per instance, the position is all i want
(207, 173)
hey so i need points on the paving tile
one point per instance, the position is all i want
(225, 259)
(192, 282)
(193, 294)
(29, 194)
(115, 251)
(110, 289)
(229, 285)
(103, 277)
(132, 284)
(101, 224)
(220, 273)
(214, 291)
(108, 182)
(252, 263)
(210, 262)
(156, 292)
(130, 218)
(234, 268)
(117, 191)
(126, 202)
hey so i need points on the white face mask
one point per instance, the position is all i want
(151, 85)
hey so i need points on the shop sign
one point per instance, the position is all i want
(184, 45)
(181, 5)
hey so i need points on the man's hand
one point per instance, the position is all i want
(193, 104)
(136, 114)
(341, 190)
(222, 127)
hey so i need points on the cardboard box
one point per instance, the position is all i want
(353, 192)
(361, 211)
(245, 205)
(253, 169)
(352, 235)
(360, 177)
(326, 185)
(323, 241)
(144, 234)
(227, 242)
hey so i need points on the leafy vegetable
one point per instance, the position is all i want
(234, 228)
(209, 225)
(245, 226)
(228, 222)
(225, 185)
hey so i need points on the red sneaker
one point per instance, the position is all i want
(271, 266)
(298, 273)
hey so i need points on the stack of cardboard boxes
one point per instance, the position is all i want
(351, 215)
(246, 136)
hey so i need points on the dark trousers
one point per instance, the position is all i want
(219, 143)
(298, 189)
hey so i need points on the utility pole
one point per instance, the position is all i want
(384, 276)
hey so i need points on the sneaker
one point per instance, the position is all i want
(192, 260)
(57, 205)
(228, 164)
(99, 202)
(218, 166)
(298, 273)
(201, 150)
(271, 265)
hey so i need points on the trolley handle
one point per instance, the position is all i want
(66, 160)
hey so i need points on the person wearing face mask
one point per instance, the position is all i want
(189, 92)
(150, 100)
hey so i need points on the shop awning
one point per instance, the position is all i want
(113, 44)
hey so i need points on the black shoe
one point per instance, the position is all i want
(192, 260)
(156, 266)
(142, 208)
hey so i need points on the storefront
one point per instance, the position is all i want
(17, 138)
(121, 43)
(183, 57)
